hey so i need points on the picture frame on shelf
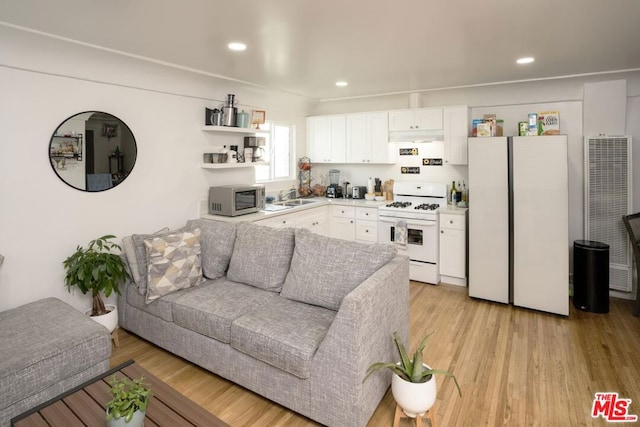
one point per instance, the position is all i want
(258, 118)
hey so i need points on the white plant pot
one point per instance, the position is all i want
(136, 421)
(414, 398)
(109, 320)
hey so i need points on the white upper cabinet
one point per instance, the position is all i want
(326, 139)
(456, 134)
(416, 118)
(368, 138)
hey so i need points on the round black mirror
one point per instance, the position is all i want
(93, 151)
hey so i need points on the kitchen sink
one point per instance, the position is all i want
(271, 207)
(295, 202)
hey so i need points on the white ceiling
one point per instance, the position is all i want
(304, 47)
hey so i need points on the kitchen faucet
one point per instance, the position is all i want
(287, 194)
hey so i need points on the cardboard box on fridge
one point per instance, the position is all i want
(549, 123)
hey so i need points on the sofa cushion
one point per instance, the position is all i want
(261, 256)
(162, 307)
(43, 344)
(283, 333)
(209, 310)
(217, 240)
(324, 270)
(174, 263)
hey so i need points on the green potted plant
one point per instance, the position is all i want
(98, 270)
(413, 384)
(129, 402)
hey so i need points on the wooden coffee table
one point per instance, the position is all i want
(85, 405)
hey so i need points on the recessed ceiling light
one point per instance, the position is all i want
(527, 60)
(342, 84)
(237, 46)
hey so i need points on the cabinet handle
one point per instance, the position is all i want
(366, 231)
(450, 222)
(441, 231)
(351, 222)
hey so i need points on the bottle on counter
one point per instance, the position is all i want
(459, 192)
(454, 194)
(465, 193)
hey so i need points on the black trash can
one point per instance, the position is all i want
(591, 276)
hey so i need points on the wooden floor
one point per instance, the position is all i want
(516, 367)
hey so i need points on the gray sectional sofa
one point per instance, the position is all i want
(291, 315)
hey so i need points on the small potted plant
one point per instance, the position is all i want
(128, 406)
(98, 270)
(413, 384)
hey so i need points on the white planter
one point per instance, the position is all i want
(109, 320)
(414, 398)
(136, 421)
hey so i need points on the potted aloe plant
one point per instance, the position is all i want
(129, 402)
(413, 384)
(98, 270)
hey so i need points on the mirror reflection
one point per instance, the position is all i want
(92, 151)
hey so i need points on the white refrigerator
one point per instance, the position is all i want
(519, 221)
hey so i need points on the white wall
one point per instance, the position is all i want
(43, 82)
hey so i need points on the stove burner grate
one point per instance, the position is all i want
(428, 206)
(399, 205)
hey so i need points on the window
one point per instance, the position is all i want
(279, 153)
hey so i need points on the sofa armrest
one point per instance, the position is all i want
(361, 334)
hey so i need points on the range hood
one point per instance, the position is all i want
(416, 135)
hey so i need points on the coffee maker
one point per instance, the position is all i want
(255, 143)
(334, 190)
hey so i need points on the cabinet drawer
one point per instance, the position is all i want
(370, 214)
(452, 221)
(343, 211)
(367, 231)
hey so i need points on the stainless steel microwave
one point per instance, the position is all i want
(234, 200)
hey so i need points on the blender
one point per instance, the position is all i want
(334, 190)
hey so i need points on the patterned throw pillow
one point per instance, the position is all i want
(174, 263)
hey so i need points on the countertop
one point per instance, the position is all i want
(453, 210)
(320, 201)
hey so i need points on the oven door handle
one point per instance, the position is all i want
(392, 220)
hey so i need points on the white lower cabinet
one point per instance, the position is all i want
(366, 224)
(279, 221)
(315, 219)
(453, 249)
(354, 223)
(343, 222)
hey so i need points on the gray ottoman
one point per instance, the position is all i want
(46, 348)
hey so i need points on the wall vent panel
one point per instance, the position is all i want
(607, 198)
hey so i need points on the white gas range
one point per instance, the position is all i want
(411, 222)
